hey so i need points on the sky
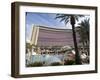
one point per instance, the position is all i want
(43, 19)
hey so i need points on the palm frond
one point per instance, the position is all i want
(66, 20)
(84, 30)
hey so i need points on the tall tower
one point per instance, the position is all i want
(35, 33)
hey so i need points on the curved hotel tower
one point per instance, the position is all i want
(45, 36)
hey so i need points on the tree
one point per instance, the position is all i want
(83, 32)
(72, 19)
(84, 29)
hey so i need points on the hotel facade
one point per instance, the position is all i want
(45, 36)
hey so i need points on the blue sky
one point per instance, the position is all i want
(43, 19)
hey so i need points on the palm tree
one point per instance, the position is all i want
(71, 18)
(83, 32)
(84, 28)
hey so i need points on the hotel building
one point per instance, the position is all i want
(46, 36)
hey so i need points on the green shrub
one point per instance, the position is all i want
(69, 62)
(35, 64)
(55, 64)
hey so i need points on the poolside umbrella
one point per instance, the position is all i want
(66, 48)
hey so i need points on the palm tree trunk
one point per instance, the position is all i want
(77, 56)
